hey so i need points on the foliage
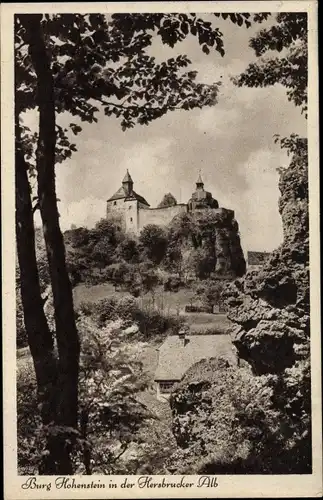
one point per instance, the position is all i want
(77, 237)
(21, 335)
(149, 281)
(173, 284)
(209, 291)
(288, 35)
(128, 250)
(168, 201)
(150, 320)
(183, 227)
(154, 242)
(202, 262)
(101, 61)
(109, 381)
(28, 420)
(111, 418)
(287, 269)
(173, 260)
(90, 249)
(226, 421)
(103, 252)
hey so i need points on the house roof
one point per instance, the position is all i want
(175, 358)
(121, 194)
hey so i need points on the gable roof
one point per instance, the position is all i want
(175, 357)
(121, 194)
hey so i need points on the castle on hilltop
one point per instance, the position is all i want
(136, 212)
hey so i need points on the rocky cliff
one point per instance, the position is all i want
(210, 239)
(270, 308)
(270, 312)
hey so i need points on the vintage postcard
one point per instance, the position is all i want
(160, 215)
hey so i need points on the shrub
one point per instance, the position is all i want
(173, 284)
(151, 321)
(227, 420)
(154, 242)
(209, 292)
(110, 378)
(109, 309)
(28, 420)
(128, 250)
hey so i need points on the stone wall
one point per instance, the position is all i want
(159, 216)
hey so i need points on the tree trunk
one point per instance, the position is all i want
(40, 338)
(66, 332)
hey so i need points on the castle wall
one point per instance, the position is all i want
(115, 206)
(159, 216)
(131, 212)
(222, 212)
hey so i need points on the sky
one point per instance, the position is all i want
(231, 143)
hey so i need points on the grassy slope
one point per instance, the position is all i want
(170, 302)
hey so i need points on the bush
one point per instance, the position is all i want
(173, 284)
(151, 321)
(111, 376)
(227, 420)
(153, 239)
(28, 420)
(128, 250)
(209, 292)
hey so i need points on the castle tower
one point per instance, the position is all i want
(126, 203)
(201, 199)
(127, 184)
(199, 183)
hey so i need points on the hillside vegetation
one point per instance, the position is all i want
(194, 257)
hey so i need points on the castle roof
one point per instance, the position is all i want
(199, 180)
(127, 178)
(121, 194)
(126, 192)
(176, 355)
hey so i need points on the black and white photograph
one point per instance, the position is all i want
(164, 249)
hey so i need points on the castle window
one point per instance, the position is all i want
(130, 219)
(130, 207)
(114, 202)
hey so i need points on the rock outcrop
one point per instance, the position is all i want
(265, 424)
(212, 235)
(270, 308)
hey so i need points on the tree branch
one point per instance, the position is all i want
(20, 46)
(123, 450)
